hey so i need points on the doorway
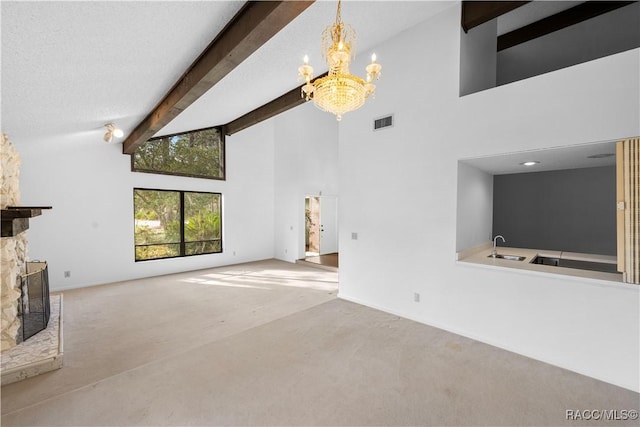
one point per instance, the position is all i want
(311, 226)
(321, 230)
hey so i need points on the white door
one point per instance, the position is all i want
(328, 225)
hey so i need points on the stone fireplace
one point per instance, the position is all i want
(25, 297)
(13, 249)
(31, 319)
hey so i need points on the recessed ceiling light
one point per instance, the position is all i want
(530, 163)
(600, 156)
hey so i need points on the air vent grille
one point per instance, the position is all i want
(383, 122)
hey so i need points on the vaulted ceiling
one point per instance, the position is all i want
(70, 67)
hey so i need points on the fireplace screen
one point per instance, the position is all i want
(34, 308)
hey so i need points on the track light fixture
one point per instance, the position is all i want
(112, 131)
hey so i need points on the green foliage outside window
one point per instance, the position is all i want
(176, 223)
(197, 153)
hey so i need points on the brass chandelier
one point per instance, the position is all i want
(340, 91)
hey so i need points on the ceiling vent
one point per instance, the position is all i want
(383, 122)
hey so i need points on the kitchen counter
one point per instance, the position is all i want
(480, 255)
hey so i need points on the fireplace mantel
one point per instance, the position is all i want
(15, 219)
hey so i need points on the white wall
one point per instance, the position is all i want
(474, 207)
(89, 231)
(306, 163)
(612, 32)
(478, 57)
(398, 191)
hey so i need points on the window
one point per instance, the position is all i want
(176, 223)
(198, 153)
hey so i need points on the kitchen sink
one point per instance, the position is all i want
(509, 257)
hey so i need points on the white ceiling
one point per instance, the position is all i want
(70, 67)
(570, 157)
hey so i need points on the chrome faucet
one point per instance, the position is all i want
(494, 252)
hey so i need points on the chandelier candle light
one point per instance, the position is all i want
(340, 91)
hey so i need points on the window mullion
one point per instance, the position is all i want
(182, 243)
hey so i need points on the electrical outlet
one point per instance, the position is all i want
(354, 236)
(416, 297)
(67, 273)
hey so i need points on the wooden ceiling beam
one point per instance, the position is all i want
(272, 108)
(475, 13)
(252, 27)
(566, 18)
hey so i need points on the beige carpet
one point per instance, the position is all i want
(268, 344)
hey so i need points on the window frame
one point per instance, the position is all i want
(182, 243)
(223, 141)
